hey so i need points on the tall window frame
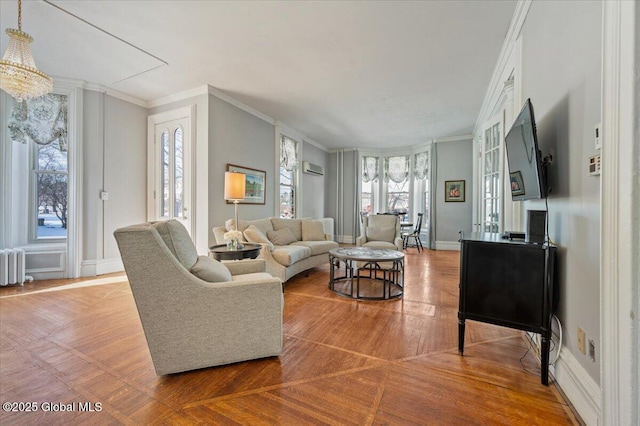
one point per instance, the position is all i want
(397, 186)
(491, 175)
(42, 124)
(51, 257)
(369, 184)
(422, 191)
(288, 177)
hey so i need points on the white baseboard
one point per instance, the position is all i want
(581, 390)
(448, 245)
(92, 268)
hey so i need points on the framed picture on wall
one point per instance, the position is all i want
(517, 185)
(255, 184)
(454, 191)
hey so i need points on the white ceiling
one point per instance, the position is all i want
(344, 73)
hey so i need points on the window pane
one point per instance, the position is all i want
(286, 202)
(488, 165)
(52, 205)
(50, 157)
(164, 174)
(178, 179)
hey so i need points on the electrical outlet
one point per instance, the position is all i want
(592, 350)
(594, 165)
(581, 341)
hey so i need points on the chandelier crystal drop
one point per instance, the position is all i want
(19, 76)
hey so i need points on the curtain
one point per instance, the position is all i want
(396, 169)
(421, 165)
(369, 169)
(43, 120)
(288, 153)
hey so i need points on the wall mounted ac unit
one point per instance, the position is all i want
(312, 169)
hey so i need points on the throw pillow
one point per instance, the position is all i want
(380, 234)
(312, 230)
(254, 235)
(230, 224)
(210, 270)
(281, 237)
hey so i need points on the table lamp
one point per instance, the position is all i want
(234, 190)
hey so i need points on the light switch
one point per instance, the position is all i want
(597, 132)
(104, 195)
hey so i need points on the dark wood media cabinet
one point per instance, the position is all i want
(508, 283)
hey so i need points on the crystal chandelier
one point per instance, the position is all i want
(19, 76)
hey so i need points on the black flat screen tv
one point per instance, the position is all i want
(526, 169)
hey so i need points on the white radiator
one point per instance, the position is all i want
(12, 267)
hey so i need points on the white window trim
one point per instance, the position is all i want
(16, 229)
(153, 204)
(297, 202)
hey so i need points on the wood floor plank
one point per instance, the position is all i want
(344, 361)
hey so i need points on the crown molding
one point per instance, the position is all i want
(223, 96)
(316, 144)
(186, 94)
(454, 138)
(114, 93)
(506, 56)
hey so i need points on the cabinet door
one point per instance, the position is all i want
(504, 283)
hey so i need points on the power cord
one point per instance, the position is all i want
(552, 346)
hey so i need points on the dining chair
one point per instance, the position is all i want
(415, 234)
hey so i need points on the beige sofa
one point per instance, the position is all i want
(195, 311)
(290, 246)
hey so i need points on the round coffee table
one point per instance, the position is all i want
(369, 273)
(221, 252)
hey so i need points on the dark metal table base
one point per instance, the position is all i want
(356, 277)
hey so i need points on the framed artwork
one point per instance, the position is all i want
(255, 184)
(454, 191)
(517, 184)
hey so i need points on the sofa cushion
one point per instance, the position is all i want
(281, 237)
(380, 245)
(210, 270)
(317, 247)
(292, 224)
(178, 241)
(380, 234)
(264, 225)
(288, 255)
(254, 235)
(312, 230)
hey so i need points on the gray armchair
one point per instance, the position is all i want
(233, 314)
(380, 231)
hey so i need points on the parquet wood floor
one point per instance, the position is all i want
(345, 362)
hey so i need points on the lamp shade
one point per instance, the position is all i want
(234, 186)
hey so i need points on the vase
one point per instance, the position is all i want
(234, 245)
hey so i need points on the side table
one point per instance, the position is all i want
(220, 252)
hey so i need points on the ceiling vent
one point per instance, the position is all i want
(312, 169)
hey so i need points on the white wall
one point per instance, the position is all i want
(453, 161)
(312, 189)
(561, 60)
(114, 160)
(240, 138)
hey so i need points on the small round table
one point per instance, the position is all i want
(220, 252)
(364, 270)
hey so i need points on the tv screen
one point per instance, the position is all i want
(526, 170)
